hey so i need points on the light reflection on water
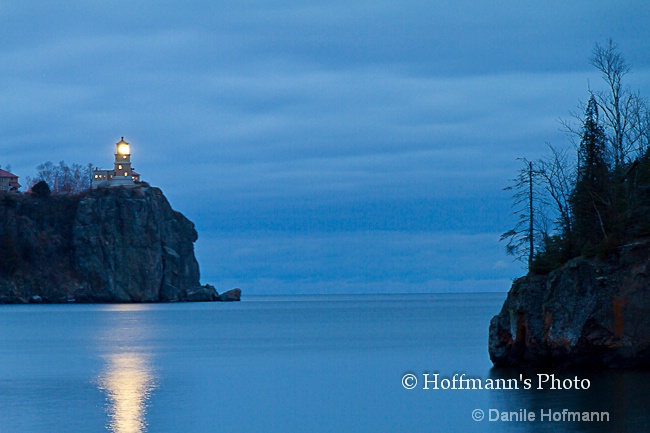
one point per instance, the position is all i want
(125, 307)
(127, 381)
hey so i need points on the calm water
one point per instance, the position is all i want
(275, 364)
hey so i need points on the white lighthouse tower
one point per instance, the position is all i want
(122, 173)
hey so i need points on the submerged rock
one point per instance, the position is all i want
(589, 313)
(105, 245)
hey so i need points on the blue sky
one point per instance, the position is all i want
(319, 147)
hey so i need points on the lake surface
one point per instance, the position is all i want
(278, 364)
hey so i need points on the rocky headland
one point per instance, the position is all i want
(104, 245)
(588, 313)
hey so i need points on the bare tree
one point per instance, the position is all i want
(557, 176)
(639, 131)
(62, 178)
(521, 238)
(617, 102)
(625, 113)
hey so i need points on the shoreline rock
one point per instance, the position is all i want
(589, 313)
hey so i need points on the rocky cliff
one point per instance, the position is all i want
(590, 312)
(105, 245)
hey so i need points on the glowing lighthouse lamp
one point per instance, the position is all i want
(122, 162)
(123, 148)
(122, 173)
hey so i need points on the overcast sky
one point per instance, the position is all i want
(319, 147)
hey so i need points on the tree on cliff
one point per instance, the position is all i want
(599, 200)
(521, 238)
(620, 106)
(557, 176)
(591, 200)
(41, 189)
(64, 179)
(542, 205)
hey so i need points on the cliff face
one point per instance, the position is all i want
(587, 313)
(106, 245)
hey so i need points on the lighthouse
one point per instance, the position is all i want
(122, 173)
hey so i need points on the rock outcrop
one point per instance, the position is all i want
(589, 313)
(233, 295)
(105, 245)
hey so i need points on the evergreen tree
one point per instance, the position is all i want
(591, 200)
(41, 189)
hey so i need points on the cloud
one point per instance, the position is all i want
(325, 125)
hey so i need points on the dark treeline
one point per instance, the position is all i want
(596, 198)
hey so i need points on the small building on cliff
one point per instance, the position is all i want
(8, 182)
(122, 173)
